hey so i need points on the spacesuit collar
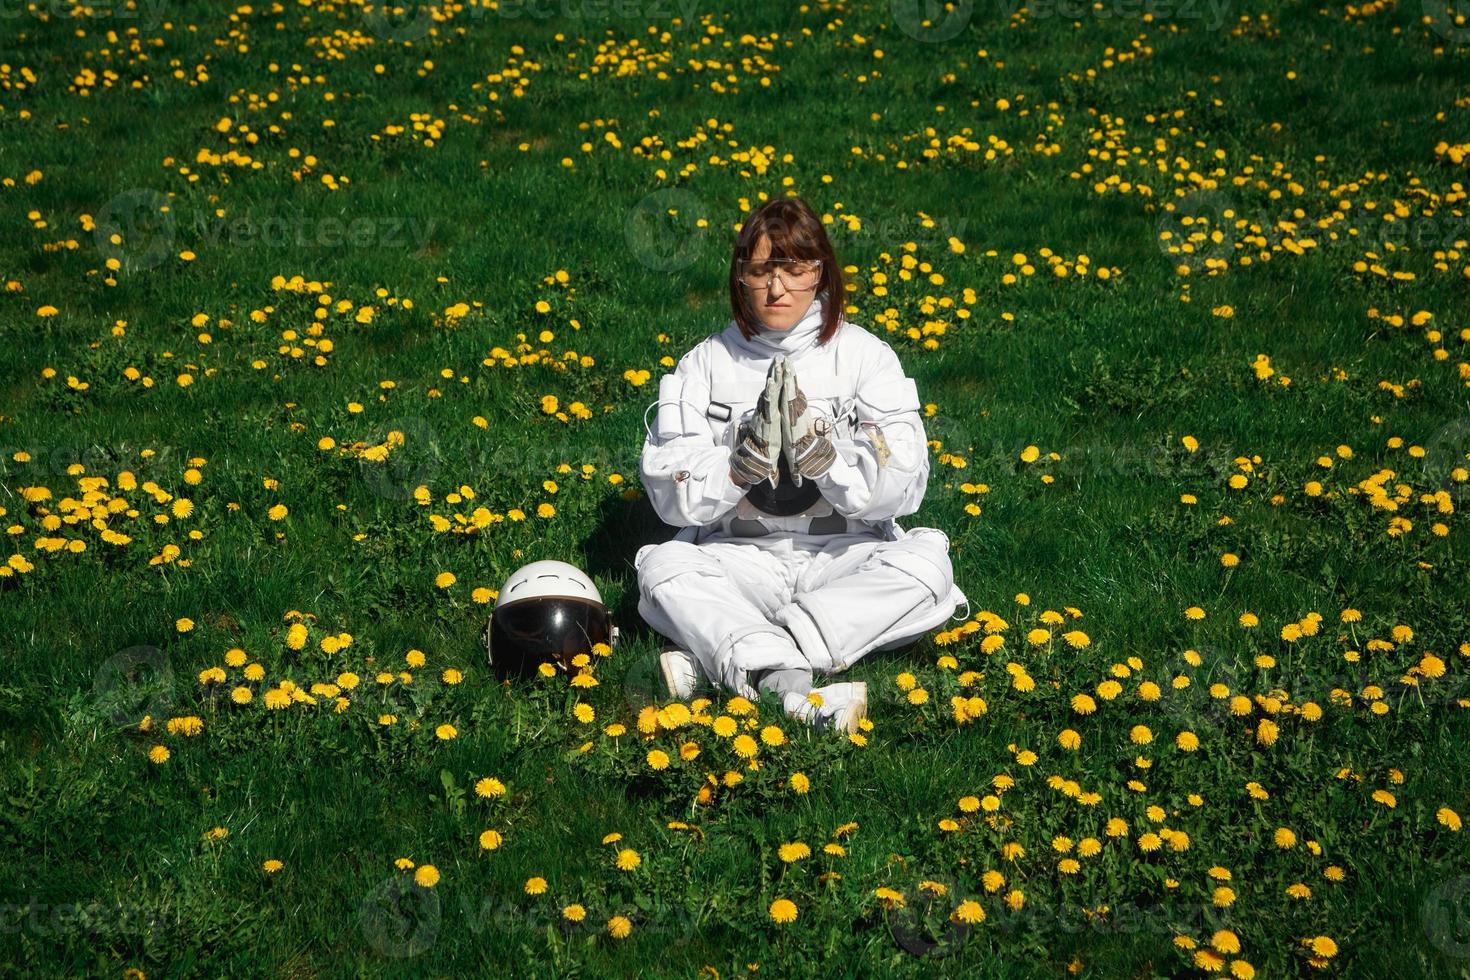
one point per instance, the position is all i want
(768, 342)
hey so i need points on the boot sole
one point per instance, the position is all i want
(850, 721)
(665, 663)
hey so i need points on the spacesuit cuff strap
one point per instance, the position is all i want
(728, 494)
(839, 479)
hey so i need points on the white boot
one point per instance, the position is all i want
(843, 707)
(681, 672)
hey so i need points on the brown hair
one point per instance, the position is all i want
(796, 233)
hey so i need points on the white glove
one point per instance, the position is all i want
(757, 450)
(805, 435)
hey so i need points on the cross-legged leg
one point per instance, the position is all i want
(873, 594)
(716, 600)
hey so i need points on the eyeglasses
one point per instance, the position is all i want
(796, 275)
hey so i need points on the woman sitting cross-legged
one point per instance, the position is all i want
(785, 447)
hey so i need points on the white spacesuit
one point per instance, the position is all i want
(745, 591)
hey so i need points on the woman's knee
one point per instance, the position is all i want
(663, 563)
(923, 556)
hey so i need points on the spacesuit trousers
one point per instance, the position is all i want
(794, 600)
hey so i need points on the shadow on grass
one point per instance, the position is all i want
(623, 526)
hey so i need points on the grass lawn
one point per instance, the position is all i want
(318, 320)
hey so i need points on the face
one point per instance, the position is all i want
(777, 307)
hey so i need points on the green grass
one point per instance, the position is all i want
(1110, 375)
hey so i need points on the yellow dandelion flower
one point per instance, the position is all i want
(969, 912)
(793, 852)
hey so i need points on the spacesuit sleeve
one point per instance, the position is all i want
(882, 471)
(684, 469)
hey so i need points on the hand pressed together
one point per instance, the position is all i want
(757, 450)
(783, 424)
(805, 435)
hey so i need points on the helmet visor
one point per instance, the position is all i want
(549, 629)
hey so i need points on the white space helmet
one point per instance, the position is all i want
(547, 612)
